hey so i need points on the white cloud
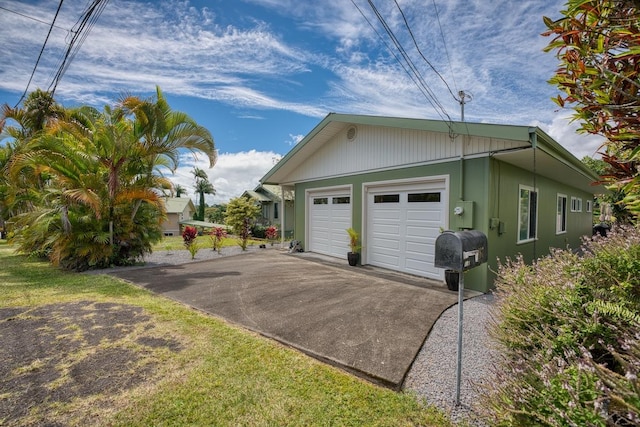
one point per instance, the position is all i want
(294, 139)
(563, 130)
(233, 174)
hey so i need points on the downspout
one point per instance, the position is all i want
(533, 138)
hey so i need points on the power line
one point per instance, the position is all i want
(31, 17)
(40, 54)
(444, 44)
(406, 23)
(438, 107)
(80, 31)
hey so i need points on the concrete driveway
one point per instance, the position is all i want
(369, 321)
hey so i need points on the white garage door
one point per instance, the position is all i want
(329, 218)
(403, 224)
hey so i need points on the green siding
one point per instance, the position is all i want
(493, 188)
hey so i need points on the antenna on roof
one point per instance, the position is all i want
(464, 98)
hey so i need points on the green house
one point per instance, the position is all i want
(400, 182)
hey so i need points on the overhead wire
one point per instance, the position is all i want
(409, 73)
(35, 67)
(80, 32)
(439, 108)
(415, 43)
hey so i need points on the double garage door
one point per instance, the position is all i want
(402, 223)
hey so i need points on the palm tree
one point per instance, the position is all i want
(202, 187)
(163, 133)
(179, 190)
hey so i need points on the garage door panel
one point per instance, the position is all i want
(329, 217)
(410, 226)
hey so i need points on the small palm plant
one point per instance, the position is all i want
(354, 245)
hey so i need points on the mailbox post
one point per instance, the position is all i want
(460, 251)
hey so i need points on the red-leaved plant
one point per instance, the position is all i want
(216, 236)
(189, 235)
(271, 233)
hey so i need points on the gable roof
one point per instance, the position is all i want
(549, 154)
(178, 204)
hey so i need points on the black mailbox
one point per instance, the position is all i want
(460, 250)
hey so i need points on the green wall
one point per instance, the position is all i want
(493, 187)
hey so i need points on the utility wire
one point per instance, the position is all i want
(31, 17)
(411, 76)
(40, 54)
(444, 43)
(440, 110)
(80, 32)
(406, 23)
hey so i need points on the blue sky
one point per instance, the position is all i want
(260, 74)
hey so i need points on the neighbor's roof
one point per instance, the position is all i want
(333, 123)
(258, 196)
(178, 204)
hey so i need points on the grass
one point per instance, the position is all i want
(223, 376)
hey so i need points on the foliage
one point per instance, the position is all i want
(598, 47)
(272, 233)
(568, 328)
(354, 240)
(216, 214)
(244, 233)
(202, 186)
(189, 235)
(217, 237)
(239, 210)
(253, 380)
(79, 185)
(259, 231)
(614, 198)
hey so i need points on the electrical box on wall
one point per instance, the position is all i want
(463, 214)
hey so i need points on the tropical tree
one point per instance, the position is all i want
(598, 45)
(202, 186)
(94, 179)
(179, 190)
(240, 215)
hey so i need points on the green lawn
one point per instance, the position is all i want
(223, 375)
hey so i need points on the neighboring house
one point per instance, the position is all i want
(399, 181)
(179, 209)
(271, 202)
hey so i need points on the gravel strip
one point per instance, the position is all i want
(433, 374)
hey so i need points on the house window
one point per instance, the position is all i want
(527, 214)
(265, 211)
(423, 197)
(320, 201)
(561, 214)
(589, 207)
(341, 200)
(275, 211)
(386, 198)
(576, 204)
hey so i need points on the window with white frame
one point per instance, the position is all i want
(576, 204)
(527, 214)
(589, 207)
(561, 214)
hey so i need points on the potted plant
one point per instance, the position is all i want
(354, 255)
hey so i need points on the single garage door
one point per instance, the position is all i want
(403, 223)
(329, 218)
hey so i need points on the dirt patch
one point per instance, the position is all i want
(58, 353)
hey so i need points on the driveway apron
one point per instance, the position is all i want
(367, 322)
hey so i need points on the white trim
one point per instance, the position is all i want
(576, 204)
(566, 216)
(404, 184)
(530, 189)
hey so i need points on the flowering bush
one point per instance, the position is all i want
(217, 235)
(272, 233)
(568, 328)
(189, 235)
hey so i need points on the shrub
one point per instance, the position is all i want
(568, 328)
(217, 236)
(259, 231)
(189, 235)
